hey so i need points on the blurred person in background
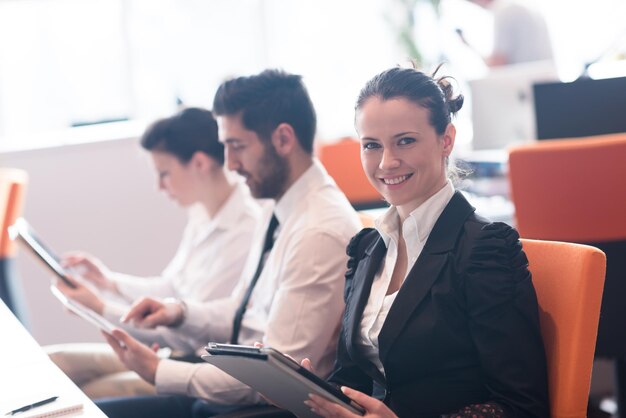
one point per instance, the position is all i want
(189, 161)
(520, 33)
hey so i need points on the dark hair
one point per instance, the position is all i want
(265, 101)
(433, 94)
(190, 130)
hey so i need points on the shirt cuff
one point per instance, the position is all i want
(197, 326)
(173, 377)
(112, 312)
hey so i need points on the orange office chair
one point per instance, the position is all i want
(342, 161)
(575, 190)
(12, 189)
(568, 279)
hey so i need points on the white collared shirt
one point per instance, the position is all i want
(415, 230)
(297, 303)
(206, 266)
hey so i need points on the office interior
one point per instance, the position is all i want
(81, 79)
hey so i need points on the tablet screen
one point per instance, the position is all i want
(276, 376)
(87, 314)
(309, 375)
(24, 233)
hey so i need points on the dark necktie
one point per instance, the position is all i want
(267, 246)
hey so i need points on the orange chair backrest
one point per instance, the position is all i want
(12, 192)
(570, 190)
(568, 279)
(343, 162)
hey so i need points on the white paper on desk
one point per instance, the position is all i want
(63, 406)
(29, 383)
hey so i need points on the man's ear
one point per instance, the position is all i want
(284, 139)
(448, 139)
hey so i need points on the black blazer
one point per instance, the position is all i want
(463, 329)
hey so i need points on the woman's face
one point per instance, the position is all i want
(175, 178)
(401, 153)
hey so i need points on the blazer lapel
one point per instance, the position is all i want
(425, 271)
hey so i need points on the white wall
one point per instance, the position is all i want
(99, 197)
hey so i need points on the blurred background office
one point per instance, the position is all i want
(80, 80)
(69, 63)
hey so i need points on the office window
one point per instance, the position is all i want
(62, 63)
(72, 62)
(65, 63)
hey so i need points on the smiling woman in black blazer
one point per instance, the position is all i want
(441, 315)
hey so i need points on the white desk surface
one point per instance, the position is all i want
(27, 373)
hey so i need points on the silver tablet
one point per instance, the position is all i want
(275, 376)
(84, 312)
(24, 234)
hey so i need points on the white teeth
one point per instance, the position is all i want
(396, 180)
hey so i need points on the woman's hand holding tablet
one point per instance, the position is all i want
(22, 232)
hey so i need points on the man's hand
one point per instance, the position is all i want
(90, 268)
(150, 313)
(81, 294)
(373, 407)
(134, 355)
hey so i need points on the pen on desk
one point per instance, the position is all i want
(31, 406)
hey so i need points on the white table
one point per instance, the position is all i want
(27, 372)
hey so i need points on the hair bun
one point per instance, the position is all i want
(454, 104)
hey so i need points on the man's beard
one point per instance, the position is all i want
(273, 175)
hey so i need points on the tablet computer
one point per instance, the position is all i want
(24, 233)
(276, 376)
(84, 312)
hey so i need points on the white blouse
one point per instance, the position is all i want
(415, 230)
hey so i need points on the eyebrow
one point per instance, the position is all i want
(398, 135)
(230, 140)
(405, 133)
